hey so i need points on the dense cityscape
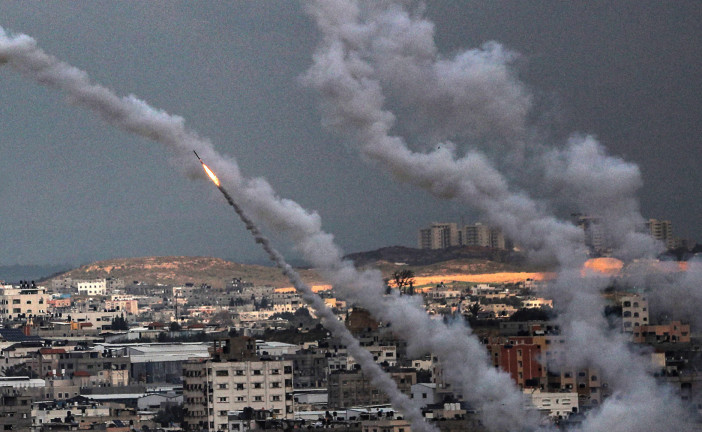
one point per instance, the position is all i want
(117, 355)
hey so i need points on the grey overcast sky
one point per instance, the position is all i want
(73, 189)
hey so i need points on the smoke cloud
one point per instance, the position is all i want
(467, 366)
(376, 55)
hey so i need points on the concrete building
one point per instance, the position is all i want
(520, 357)
(235, 378)
(675, 332)
(309, 368)
(25, 300)
(476, 235)
(352, 388)
(557, 405)
(440, 236)
(15, 409)
(662, 230)
(425, 394)
(634, 312)
(483, 235)
(93, 287)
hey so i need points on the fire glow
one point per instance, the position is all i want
(212, 175)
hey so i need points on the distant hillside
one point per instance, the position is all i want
(178, 270)
(424, 257)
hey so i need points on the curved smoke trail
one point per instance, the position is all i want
(370, 50)
(377, 375)
(467, 366)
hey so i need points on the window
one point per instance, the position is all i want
(275, 398)
(257, 371)
(275, 384)
(222, 373)
(222, 386)
(240, 386)
(223, 399)
(257, 385)
(258, 398)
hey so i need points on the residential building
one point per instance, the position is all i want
(15, 409)
(235, 378)
(25, 300)
(558, 405)
(634, 312)
(352, 388)
(440, 236)
(93, 287)
(519, 356)
(662, 230)
(675, 332)
(484, 236)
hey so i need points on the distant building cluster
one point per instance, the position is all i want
(104, 354)
(444, 235)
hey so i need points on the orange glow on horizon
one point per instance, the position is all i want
(502, 277)
(603, 266)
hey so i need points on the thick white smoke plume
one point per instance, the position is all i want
(467, 364)
(375, 55)
(377, 375)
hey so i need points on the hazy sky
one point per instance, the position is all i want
(73, 189)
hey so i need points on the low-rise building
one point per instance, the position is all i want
(25, 300)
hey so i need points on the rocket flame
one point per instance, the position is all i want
(212, 175)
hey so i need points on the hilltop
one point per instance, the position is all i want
(179, 270)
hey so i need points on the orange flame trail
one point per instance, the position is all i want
(209, 172)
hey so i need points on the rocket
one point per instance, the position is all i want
(209, 172)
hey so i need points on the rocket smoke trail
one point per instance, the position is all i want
(377, 375)
(477, 81)
(467, 366)
(375, 54)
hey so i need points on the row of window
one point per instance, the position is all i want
(225, 372)
(242, 386)
(225, 399)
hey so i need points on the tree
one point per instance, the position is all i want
(174, 327)
(474, 309)
(119, 323)
(404, 281)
